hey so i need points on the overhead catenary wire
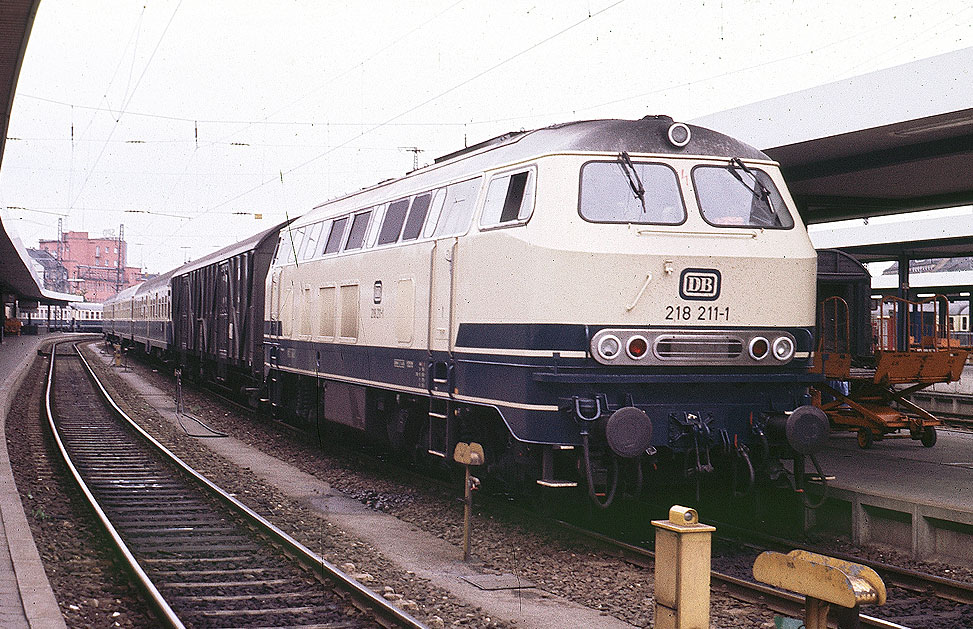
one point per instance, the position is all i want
(241, 180)
(126, 103)
(589, 16)
(439, 95)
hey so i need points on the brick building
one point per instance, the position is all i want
(96, 267)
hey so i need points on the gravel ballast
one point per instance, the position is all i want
(504, 541)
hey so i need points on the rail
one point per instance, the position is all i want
(748, 591)
(387, 614)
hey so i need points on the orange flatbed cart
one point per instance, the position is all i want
(869, 395)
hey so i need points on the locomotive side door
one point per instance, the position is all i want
(440, 342)
(439, 431)
(273, 315)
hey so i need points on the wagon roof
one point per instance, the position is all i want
(229, 251)
(125, 294)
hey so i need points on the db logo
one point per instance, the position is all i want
(699, 284)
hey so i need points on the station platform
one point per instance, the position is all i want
(26, 597)
(900, 494)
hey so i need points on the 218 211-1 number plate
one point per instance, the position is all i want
(698, 313)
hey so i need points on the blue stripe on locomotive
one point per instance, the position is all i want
(511, 382)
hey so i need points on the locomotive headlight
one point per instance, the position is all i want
(637, 347)
(609, 346)
(759, 348)
(783, 348)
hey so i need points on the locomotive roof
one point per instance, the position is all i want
(647, 135)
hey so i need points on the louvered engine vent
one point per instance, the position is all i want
(700, 348)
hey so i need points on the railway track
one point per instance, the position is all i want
(742, 588)
(959, 421)
(202, 558)
(905, 578)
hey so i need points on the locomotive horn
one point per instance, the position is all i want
(806, 429)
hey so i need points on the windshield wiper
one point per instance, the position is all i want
(759, 190)
(633, 177)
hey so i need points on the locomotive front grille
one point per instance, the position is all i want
(701, 347)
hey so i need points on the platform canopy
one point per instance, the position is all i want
(16, 20)
(16, 271)
(17, 275)
(892, 141)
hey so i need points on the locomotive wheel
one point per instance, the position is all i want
(397, 429)
(928, 437)
(865, 438)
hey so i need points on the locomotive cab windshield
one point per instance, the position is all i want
(740, 196)
(648, 193)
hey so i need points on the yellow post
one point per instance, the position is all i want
(682, 567)
(824, 581)
(468, 454)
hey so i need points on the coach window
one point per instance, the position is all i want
(392, 225)
(417, 216)
(630, 192)
(734, 196)
(510, 199)
(458, 208)
(359, 225)
(337, 232)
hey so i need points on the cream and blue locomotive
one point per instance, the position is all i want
(588, 301)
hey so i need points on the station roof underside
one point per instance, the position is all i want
(948, 237)
(16, 274)
(889, 142)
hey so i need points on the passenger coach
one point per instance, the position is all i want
(607, 296)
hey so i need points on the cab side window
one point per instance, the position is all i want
(359, 225)
(509, 200)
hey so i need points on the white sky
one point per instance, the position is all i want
(188, 116)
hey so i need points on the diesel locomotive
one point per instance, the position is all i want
(593, 302)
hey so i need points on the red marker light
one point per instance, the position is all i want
(637, 347)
